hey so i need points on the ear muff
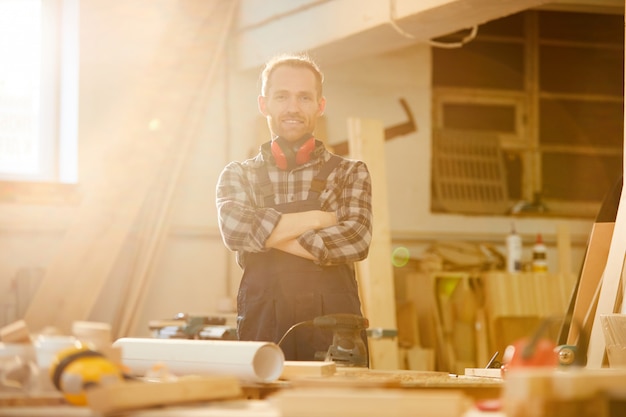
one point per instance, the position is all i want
(304, 153)
(282, 160)
(289, 155)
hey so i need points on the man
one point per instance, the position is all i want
(297, 216)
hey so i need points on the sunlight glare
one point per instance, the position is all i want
(20, 49)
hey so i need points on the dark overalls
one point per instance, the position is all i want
(279, 290)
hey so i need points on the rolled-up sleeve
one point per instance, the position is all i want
(350, 239)
(243, 226)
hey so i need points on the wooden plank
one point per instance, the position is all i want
(611, 279)
(367, 143)
(587, 286)
(456, 308)
(484, 372)
(16, 332)
(564, 249)
(408, 330)
(424, 302)
(417, 358)
(591, 274)
(25, 400)
(481, 328)
(299, 369)
(608, 282)
(135, 395)
(354, 402)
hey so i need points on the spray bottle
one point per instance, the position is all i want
(513, 251)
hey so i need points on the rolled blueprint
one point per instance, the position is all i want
(246, 360)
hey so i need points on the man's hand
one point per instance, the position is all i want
(293, 247)
(292, 225)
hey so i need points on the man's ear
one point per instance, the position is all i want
(322, 105)
(262, 105)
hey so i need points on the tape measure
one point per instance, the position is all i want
(76, 369)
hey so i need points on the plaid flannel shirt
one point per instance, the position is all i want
(245, 224)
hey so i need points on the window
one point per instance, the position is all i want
(549, 86)
(38, 90)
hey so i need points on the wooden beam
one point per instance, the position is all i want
(586, 289)
(135, 395)
(590, 280)
(391, 132)
(365, 29)
(367, 143)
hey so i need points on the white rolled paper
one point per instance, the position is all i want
(246, 360)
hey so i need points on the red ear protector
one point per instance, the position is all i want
(289, 155)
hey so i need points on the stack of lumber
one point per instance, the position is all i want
(542, 392)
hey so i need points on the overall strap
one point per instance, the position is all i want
(318, 184)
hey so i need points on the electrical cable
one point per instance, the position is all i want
(302, 323)
(393, 21)
(452, 45)
(394, 24)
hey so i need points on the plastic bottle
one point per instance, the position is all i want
(540, 255)
(513, 251)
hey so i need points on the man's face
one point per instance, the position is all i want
(291, 105)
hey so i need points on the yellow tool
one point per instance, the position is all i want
(78, 368)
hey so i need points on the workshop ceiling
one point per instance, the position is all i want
(340, 30)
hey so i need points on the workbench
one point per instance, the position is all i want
(314, 389)
(526, 392)
(238, 408)
(361, 390)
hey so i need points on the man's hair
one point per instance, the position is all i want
(292, 60)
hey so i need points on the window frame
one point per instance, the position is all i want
(526, 140)
(57, 137)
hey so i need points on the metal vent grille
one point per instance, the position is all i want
(468, 173)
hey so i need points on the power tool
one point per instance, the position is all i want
(348, 347)
(540, 351)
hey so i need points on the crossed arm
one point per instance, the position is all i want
(291, 225)
(340, 234)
